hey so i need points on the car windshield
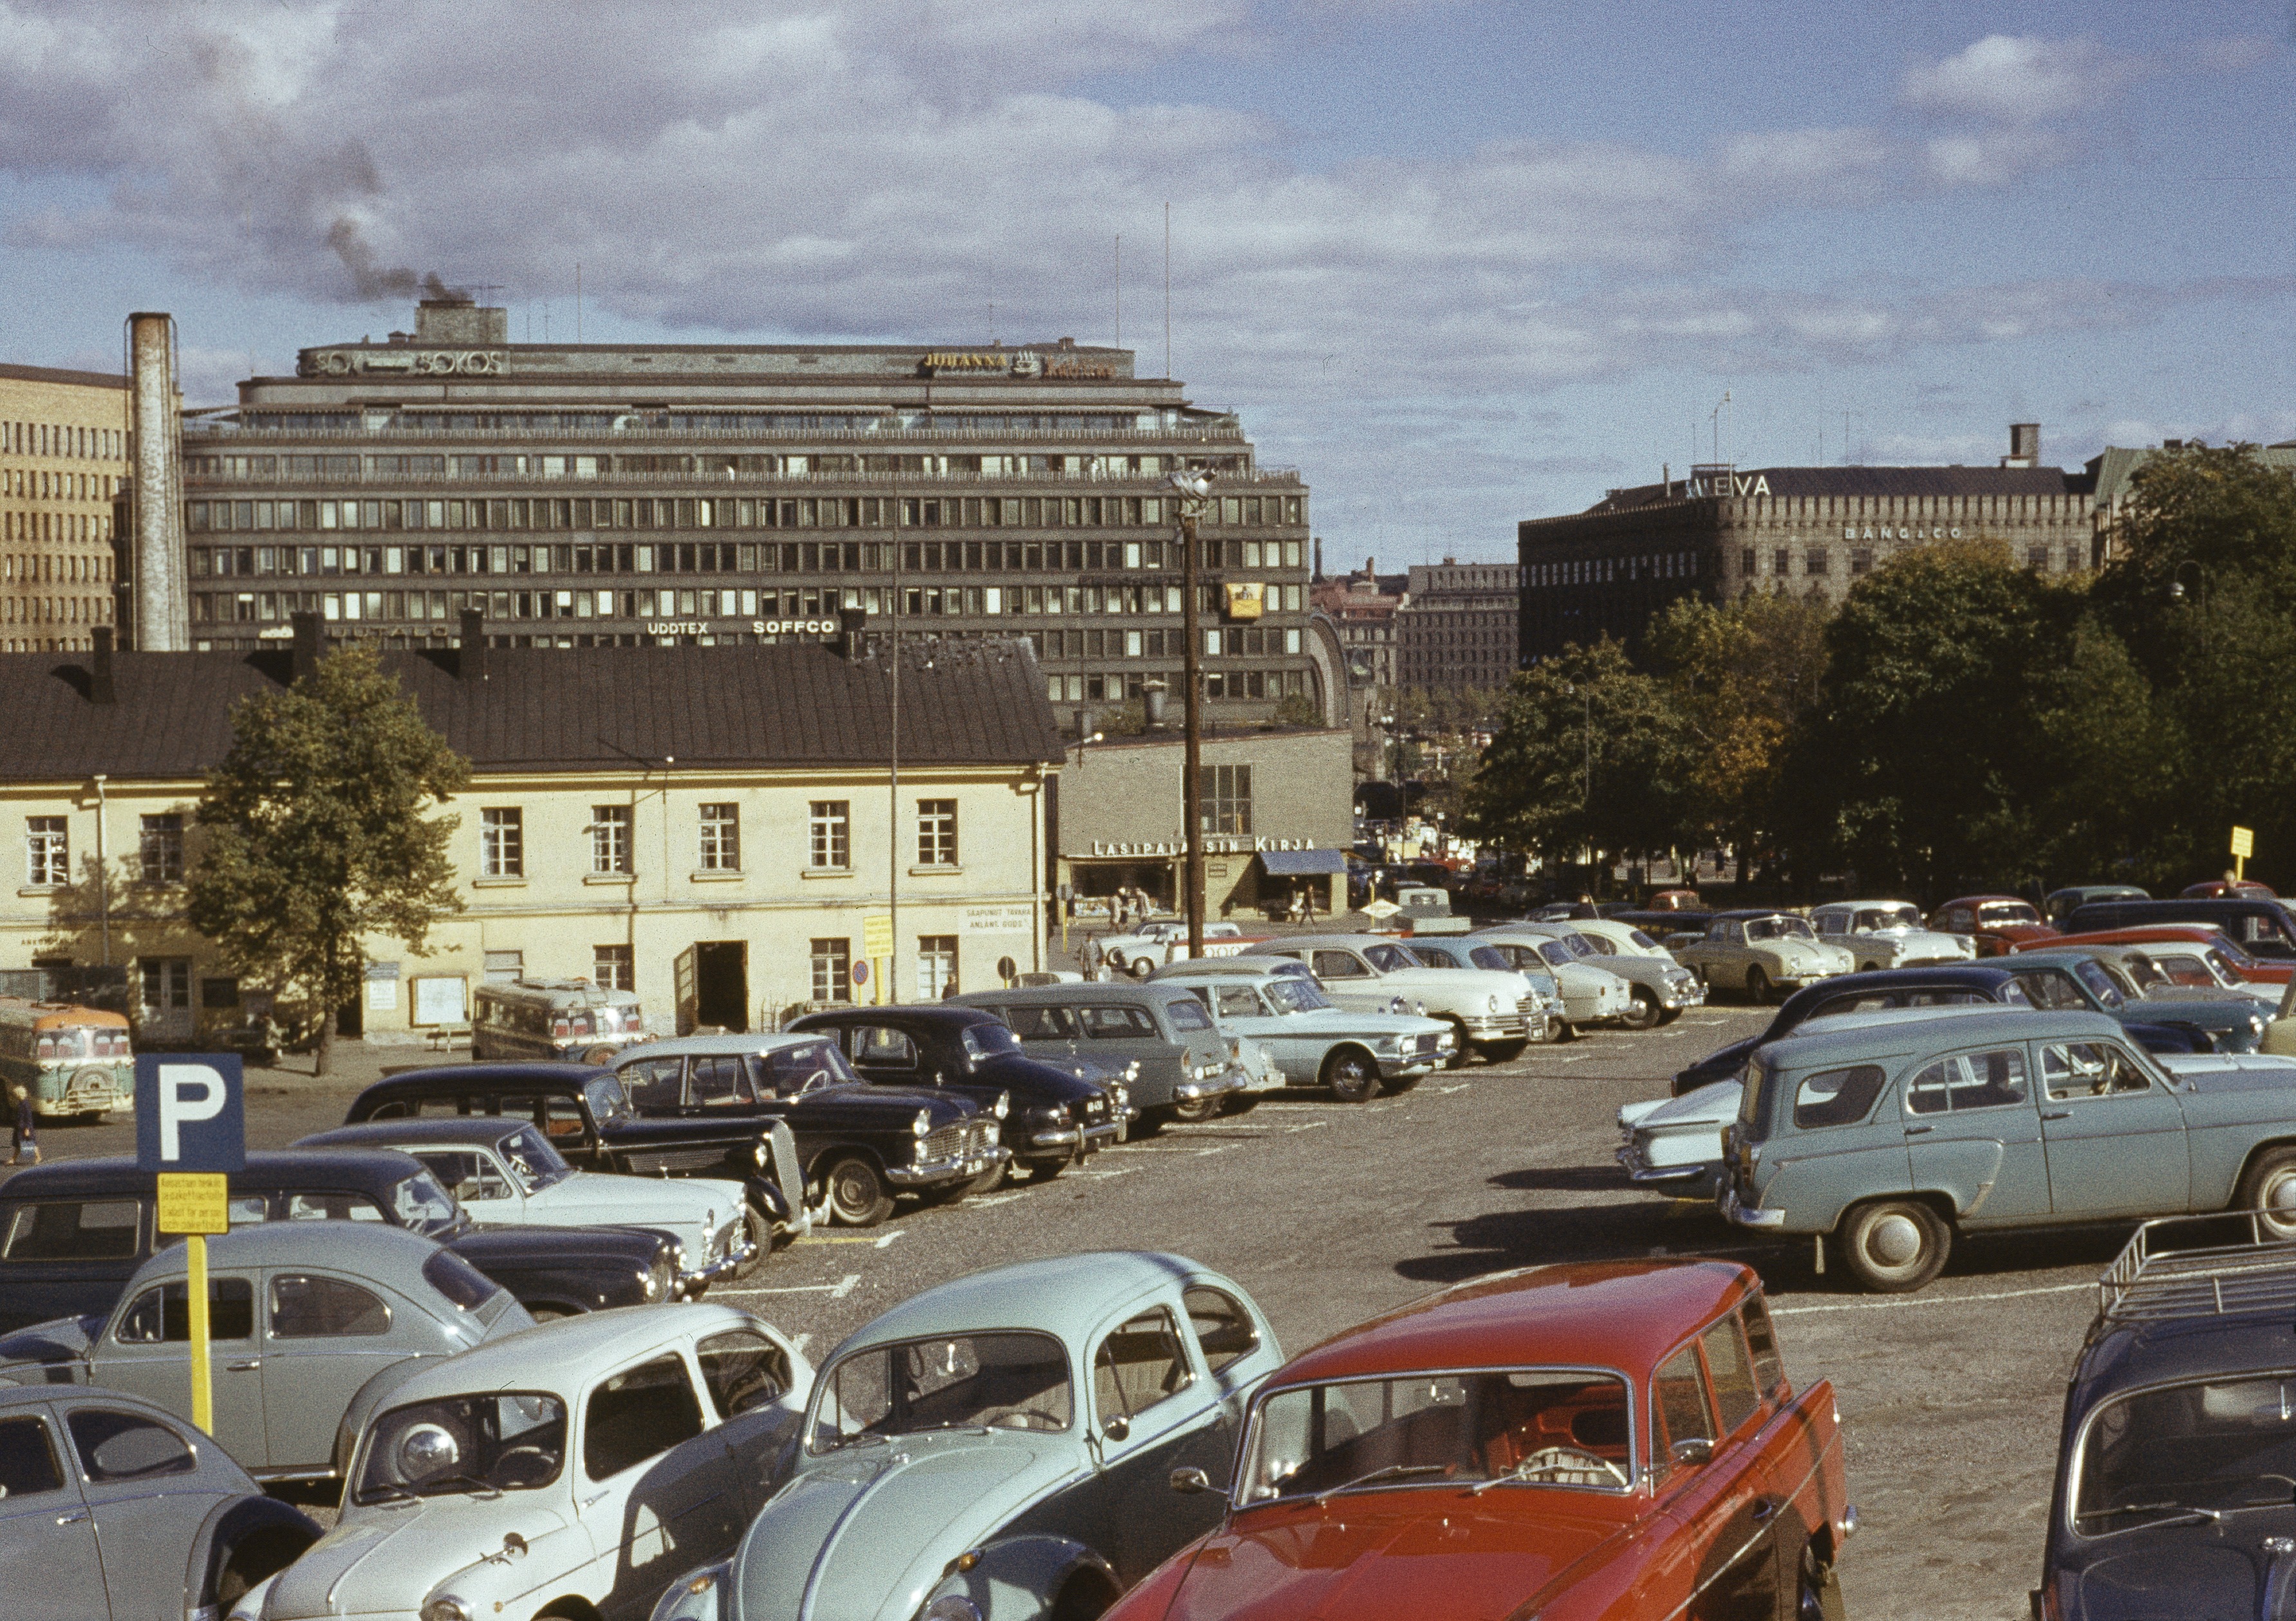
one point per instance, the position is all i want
(2092, 974)
(2144, 974)
(1292, 994)
(2218, 1445)
(484, 1444)
(788, 1072)
(423, 1205)
(1549, 1426)
(1490, 958)
(988, 1042)
(965, 1381)
(1882, 919)
(1557, 953)
(607, 1099)
(2226, 975)
(1643, 942)
(1778, 928)
(2007, 912)
(533, 1161)
(1434, 957)
(1387, 958)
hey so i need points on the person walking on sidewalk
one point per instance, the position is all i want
(27, 1125)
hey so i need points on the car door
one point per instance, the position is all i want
(884, 1055)
(657, 1494)
(2115, 1134)
(1242, 1009)
(148, 1491)
(325, 1337)
(146, 1352)
(65, 1258)
(1972, 1129)
(50, 1566)
(1347, 979)
(1237, 1354)
(1154, 1412)
(1721, 1562)
(747, 1378)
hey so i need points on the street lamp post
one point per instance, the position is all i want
(2177, 594)
(1191, 488)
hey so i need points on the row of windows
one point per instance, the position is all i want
(47, 851)
(63, 439)
(811, 512)
(389, 419)
(36, 484)
(55, 610)
(1602, 571)
(830, 960)
(24, 568)
(502, 837)
(56, 528)
(1116, 687)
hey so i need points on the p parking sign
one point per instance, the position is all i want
(189, 1112)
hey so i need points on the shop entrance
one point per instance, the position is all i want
(713, 986)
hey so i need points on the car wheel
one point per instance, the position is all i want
(990, 1180)
(1667, 1016)
(759, 1233)
(856, 1193)
(259, 1558)
(1642, 1012)
(2268, 1186)
(1460, 1051)
(1197, 1110)
(1869, 967)
(1505, 1052)
(1351, 1075)
(1142, 966)
(1758, 984)
(1565, 1031)
(1894, 1246)
(1043, 1171)
(1817, 1595)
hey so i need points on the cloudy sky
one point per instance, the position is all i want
(1460, 262)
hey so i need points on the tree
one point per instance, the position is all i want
(317, 834)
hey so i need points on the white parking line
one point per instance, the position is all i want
(996, 1198)
(1308, 1125)
(835, 1291)
(1878, 1305)
(887, 1239)
(800, 1343)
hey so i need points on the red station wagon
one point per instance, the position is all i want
(1998, 923)
(1608, 1439)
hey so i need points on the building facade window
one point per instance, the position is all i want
(1227, 799)
(503, 967)
(609, 838)
(47, 851)
(936, 832)
(161, 848)
(832, 969)
(721, 838)
(502, 842)
(936, 966)
(611, 967)
(831, 823)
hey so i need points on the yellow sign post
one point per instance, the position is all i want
(877, 946)
(196, 1203)
(2243, 846)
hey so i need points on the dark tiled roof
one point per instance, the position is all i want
(555, 709)
(1853, 482)
(48, 374)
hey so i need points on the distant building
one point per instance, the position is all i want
(63, 457)
(2111, 482)
(1813, 531)
(1458, 627)
(1362, 606)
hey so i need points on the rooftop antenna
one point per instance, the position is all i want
(1168, 288)
(1119, 289)
(577, 301)
(1717, 426)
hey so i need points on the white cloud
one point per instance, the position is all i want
(2021, 79)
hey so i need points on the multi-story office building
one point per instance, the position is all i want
(1811, 531)
(584, 495)
(1457, 625)
(63, 453)
(1362, 607)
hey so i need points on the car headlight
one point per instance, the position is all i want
(996, 1133)
(1050, 1114)
(1123, 1095)
(677, 1257)
(950, 1607)
(445, 1606)
(922, 1124)
(1004, 1105)
(1419, 1009)
(1491, 1004)
(763, 1154)
(693, 1597)
(1396, 1004)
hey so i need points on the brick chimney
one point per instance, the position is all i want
(849, 623)
(100, 689)
(471, 660)
(310, 645)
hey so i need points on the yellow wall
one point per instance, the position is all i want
(63, 455)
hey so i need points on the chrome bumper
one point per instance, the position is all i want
(1087, 1138)
(1643, 1174)
(925, 1173)
(1693, 995)
(738, 1253)
(1739, 1215)
(1395, 1069)
(1219, 1086)
(1497, 1026)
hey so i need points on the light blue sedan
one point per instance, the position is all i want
(1314, 1042)
(1003, 1447)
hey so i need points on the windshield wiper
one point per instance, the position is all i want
(1393, 1471)
(470, 1483)
(385, 1492)
(2176, 1512)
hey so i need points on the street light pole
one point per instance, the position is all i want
(1191, 488)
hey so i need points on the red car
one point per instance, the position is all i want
(1676, 901)
(1608, 1439)
(2226, 966)
(1998, 923)
(2229, 889)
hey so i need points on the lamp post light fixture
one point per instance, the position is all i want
(1192, 487)
(2200, 581)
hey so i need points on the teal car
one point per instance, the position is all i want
(2071, 978)
(1003, 1448)
(1314, 1042)
(1885, 1140)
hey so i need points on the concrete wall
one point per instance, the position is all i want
(63, 454)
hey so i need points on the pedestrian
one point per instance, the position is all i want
(1308, 904)
(27, 1125)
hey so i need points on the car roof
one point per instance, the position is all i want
(468, 1076)
(422, 1128)
(1061, 1295)
(1082, 990)
(117, 1174)
(370, 1247)
(1622, 1314)
(1739, 914)
(1249, 965)
(1185, 971)
(945, 1014)
(2149, 933)
(1976, 899)
(713, 1045)
(1352, 942)
(1851, 906)
(591, 1343)
(1807, 1042)
(2053, 955)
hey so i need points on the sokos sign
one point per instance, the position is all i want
(189, 1112)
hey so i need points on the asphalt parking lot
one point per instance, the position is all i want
(1327, 1214)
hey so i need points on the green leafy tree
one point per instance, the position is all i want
(318, 834)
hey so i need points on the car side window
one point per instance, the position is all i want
(2052, 989)
(1679, 1406)
(468, 1174)
(2089, 1069)
(1969, 1081)
(114, 1445)
(1138, 1365)
(1762, 1340)
(1732, 1372)
(1837, 1096)
(333, 1208)
(325, 1308)
(716, 1083)
(73, 1230)
(1239, 1001)
(1337, 964)
(163, 1316)
(1224, 1331)
(27, 1459)
(1833, 923)
(638, 1414)
(246, 1209)
(742, 1370)
(1040, 1022)
(654, 1084)
(884, 1048)
(1184, 1015)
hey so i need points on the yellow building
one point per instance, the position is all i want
(715, 828)
(63, 457)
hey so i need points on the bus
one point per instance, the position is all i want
(75, 1060)
(553, 1018)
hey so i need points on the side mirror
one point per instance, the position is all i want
(1117, 1429)
(1194, 1482)
(1692, 1453)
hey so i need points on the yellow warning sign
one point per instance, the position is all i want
(876, 935)
(2243, 842)
(194, 1201)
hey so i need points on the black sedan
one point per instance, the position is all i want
(1056, 1118)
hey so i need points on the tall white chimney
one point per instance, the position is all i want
(162, 604)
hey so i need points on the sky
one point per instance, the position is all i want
(1460, 263)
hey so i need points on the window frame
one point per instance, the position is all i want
(1179, 1342)
(47, 851)
(703, 1404)
(937, 833)
(829, 836)
(719, 824)
(610, 841)
(502, 842)
(159, 848)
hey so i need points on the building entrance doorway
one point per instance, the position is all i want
(713, 986)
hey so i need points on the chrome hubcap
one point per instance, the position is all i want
(1894, 1240)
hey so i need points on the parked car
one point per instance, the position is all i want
(2197, 954)
(2229, 889)
(1488, 1010)
(2071, 977)
(1186, 1067)
(584, 1111)
(1998, 923)
(1138, 951)
(570, 1472)
(1602, 1439)
(1545, 1015)
(1764, 953)
(506, 1173)
(1313, 1041)
(2060, 904)
(1055, 1119)
(72, 1232)
(1427, 910)
(1002, 1445)
(1674, 901)
(1658, 987)
(302, 1317)
(2258, 926)
(111, 1508)
(1889, 1140)
(1888, 934)
(2173, 1458)
(1591, 993)
(2141, 975)
(860, 1145)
